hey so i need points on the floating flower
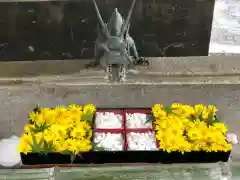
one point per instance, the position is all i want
(232, 138)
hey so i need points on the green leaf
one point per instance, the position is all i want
(48, 147)
(149, 118)
(72, 156)
(36, 147)
(66, 152)
(200, 116)
(98, 148)
(80, 155)
(31, 147)
(169, 110)
(210, 119)
(45, 147)
(216, 119)
(40, 128)
(88, 116)
(40, 144)
(192, 118)
(32, 129)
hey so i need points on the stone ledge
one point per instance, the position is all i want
(211, 65)
(139, 80)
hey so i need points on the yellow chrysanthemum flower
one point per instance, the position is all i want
(25, 144)
(194, 134)
(219, 126)
(61, 129)
(158, 111)
(212, 109)
(89, 108)
(187, 128)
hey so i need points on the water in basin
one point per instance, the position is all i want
(155, 172)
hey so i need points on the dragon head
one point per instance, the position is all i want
(115, 23)
(116, 26)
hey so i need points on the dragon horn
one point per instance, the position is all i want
(103, 25)
(128, 27)
(125, 27)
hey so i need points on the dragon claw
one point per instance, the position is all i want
(142, 61)
(92, 64)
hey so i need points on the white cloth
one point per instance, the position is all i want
(232, 138)
(9, 155)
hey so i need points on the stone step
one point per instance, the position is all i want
(98, 76)
(162, 65)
